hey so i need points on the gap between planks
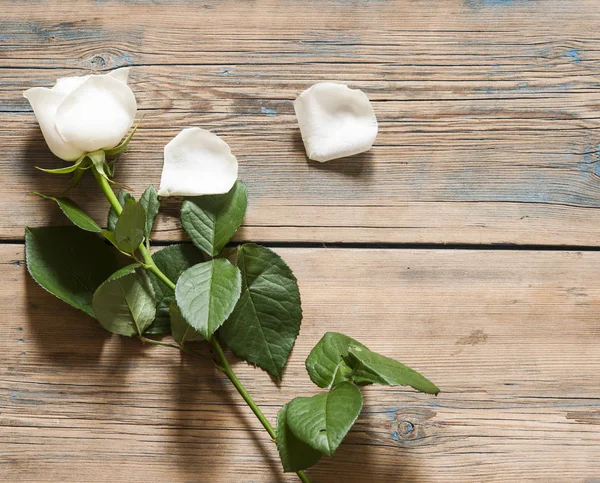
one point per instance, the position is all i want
(380, 246)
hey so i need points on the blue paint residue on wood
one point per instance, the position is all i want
(493, 3)
(147, 2)
(344, 2)
(63, 31)
(23, 33)
(125, 59)
(591, 161)
(329, 43)
(573, 55)
(268, 111)
(392, 416)
(525, 87)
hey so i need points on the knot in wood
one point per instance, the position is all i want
(406, 429)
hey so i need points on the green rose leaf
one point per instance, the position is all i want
(181, 330)
(160, 325)
(69, 263)
(326, 364)
(212, 220)
(121, 147)
(265, 323)
(207, 293)
(122, 196)
(172, 261)
(124, 304)
(322, 421)
(337, 358)
(66, 169)
(149, 200)
(129, 230)
(74, 213)
(372, 368)
(295, 454)
(110, 236)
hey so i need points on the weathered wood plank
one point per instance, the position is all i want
(488, 112)
(511, 337)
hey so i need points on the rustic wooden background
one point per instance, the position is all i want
(465, 243)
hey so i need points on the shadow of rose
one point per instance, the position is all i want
(47, 213)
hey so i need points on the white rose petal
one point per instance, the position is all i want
(97, 114)
(197, 162)
(120, 74)
(66, 85)
(44, 103)
(335, 121)
(84, 114)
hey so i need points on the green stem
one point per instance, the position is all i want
(228, 371)
(114, 202)
(108, 192)
(223, 363)
(146, 340)
(151, 266)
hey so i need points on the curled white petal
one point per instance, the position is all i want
(335, 121)
(66, 85)
(197, 162)
(121, 74)
(97, 114)
(45, 102)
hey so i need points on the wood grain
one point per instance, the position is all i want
(511, 337)
(489, 134)
(488, 110)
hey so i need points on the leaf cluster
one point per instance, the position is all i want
(249, 301)
(310, 427)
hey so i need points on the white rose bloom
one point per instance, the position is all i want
(84, 114)
(197, 162)
(335, 121)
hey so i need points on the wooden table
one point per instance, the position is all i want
(465, 243)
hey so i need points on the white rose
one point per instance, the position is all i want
(84, 114)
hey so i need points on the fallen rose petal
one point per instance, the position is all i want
(335, 121)
(197, 162)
